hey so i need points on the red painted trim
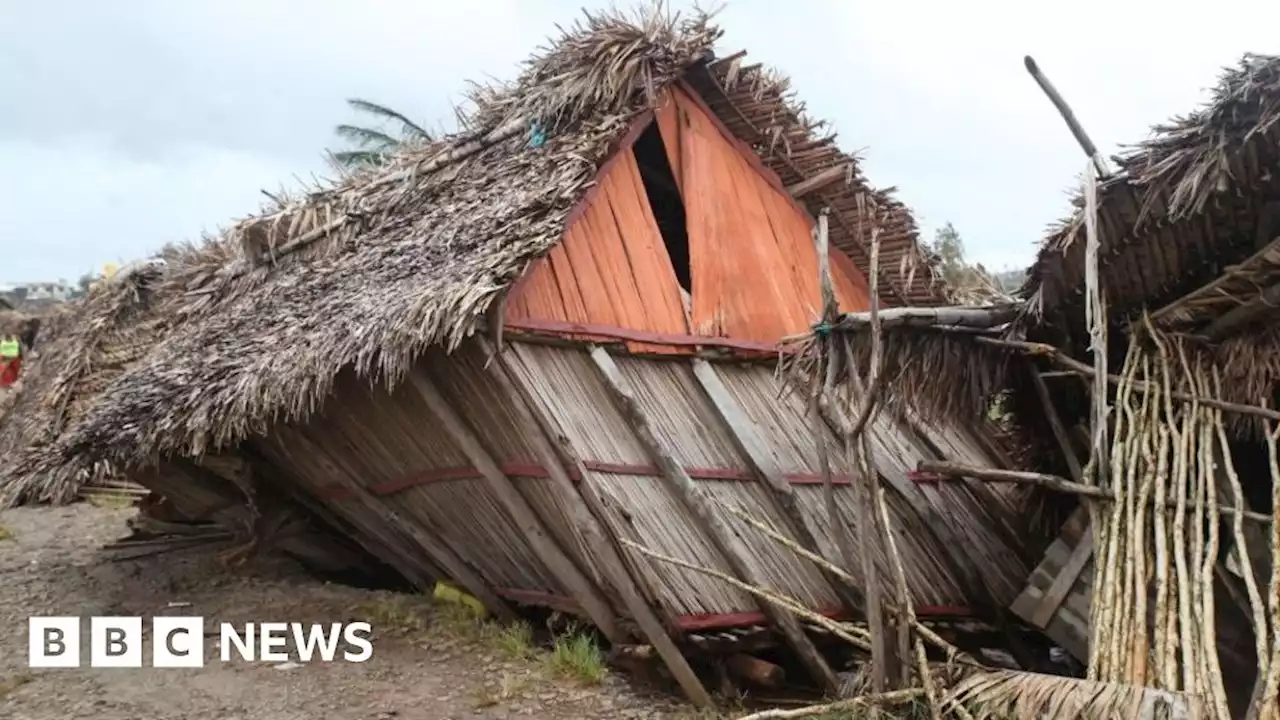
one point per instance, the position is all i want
(723, 474)
(716, 621)
(926, 478)
(560, 328)
(534, 470)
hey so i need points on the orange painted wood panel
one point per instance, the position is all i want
(611, 268)
(752, 257)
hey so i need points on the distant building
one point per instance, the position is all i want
(37, 293)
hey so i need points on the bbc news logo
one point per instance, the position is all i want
(178, 642)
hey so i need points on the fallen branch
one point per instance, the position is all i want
(840, 630)
(953, 653)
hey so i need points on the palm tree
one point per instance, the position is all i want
(372, 146)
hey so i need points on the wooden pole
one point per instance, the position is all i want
(1052, 482)
(830, 311)
(764, 464)
(588, 514)
(1077, 130)
(1095, 293)
(526, 520)
(721, 536)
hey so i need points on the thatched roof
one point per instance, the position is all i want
(384, 263)
(82, 346)
(1185, 207)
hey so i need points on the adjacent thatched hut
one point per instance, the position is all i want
(1179, 487)
(500, 354)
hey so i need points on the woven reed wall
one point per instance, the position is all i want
(392, 444)
(379, 439)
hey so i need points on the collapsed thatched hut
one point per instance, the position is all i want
(502, 353)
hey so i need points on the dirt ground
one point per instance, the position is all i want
(427, 663)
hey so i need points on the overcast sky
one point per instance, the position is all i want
(131, 123)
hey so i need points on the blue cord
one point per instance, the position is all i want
(537, 136)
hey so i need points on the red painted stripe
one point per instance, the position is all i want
(714, 621)
(534, 470)
(620, 334)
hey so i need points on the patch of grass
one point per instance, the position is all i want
(509, 687)
(514, 641)
(576, 657)
(13, 682)
(5, 533)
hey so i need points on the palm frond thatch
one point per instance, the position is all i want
(1008, 694)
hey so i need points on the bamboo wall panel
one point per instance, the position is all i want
(958, 442)
(690, 428)
(463, 380)
(783, 421)
(567, 384)
(651, 516)
(751, 251)
(379, 437)
(301, 461)
(612, 268)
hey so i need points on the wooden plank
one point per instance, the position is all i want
(745, 435)
(822, 179)
(588, 513)
(1063, 582)
(580, 587)
(722, 537)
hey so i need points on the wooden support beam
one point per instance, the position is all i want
(579, 586)
(722, 537)
(1242, 315)
(821, 180)
(745, 435)
(588, 514)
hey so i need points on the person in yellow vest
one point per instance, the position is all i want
(10, 360)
